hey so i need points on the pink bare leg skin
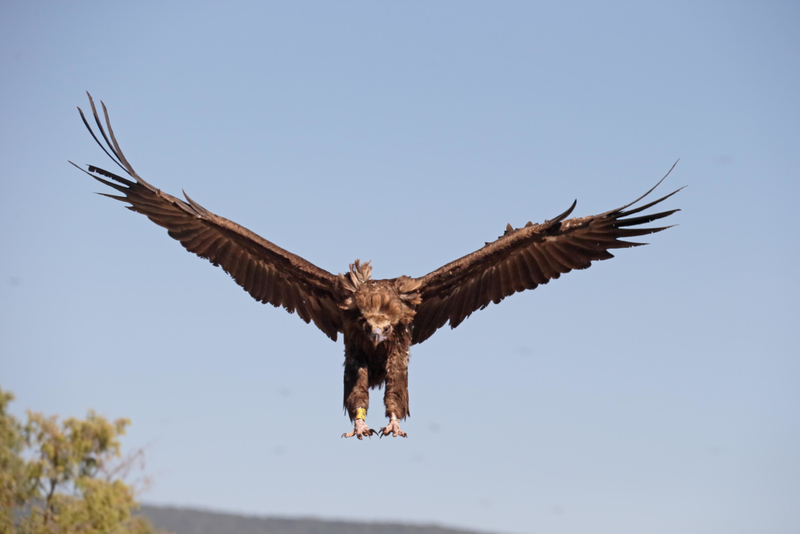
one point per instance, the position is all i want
(393, 428)
(360, 430)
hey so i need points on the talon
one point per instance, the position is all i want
(360, 429)
(393, 428)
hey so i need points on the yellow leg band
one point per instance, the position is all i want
(361, 413)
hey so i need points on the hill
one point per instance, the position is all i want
(188, 521)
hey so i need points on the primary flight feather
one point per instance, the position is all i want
(379, 319)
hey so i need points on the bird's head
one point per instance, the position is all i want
(378, 328)
(381, 308)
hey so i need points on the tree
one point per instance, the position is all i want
(63, 477)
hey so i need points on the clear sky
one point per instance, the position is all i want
(656, 392)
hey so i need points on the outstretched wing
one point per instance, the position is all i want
(266, 271)
(524, 258)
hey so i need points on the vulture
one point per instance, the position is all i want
(378, 319)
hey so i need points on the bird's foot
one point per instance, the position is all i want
(360, 430)
(393, 428)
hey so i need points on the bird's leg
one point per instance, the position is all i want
(393, 428)
(356, 398)
(396, 397)
(360, 429)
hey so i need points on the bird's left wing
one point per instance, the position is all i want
(524, 258)
(269, 273)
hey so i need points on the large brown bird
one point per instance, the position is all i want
(380, 319)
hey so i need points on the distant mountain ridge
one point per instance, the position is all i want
(189, 521)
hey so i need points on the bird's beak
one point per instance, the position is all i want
(377, 336)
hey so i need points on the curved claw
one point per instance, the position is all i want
(392, 428)
(360, 429)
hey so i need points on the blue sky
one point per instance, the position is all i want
(655, 392)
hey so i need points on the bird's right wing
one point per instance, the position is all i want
(524, 258)
(269, 273)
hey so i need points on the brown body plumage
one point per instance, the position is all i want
(379, 319)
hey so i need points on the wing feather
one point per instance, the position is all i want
(519, 274)
(525, 258)
(269, 273)
(534, 269)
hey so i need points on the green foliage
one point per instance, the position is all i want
(16, 487)
(60, 478)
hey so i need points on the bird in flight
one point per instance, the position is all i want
(379, 319)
